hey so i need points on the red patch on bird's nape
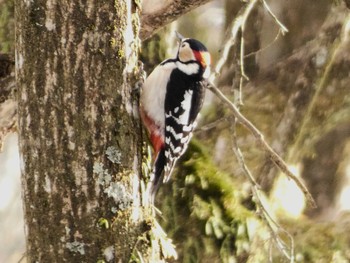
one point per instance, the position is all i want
(202, 57)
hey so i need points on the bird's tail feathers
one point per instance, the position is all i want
(157, 174)
(161, 173)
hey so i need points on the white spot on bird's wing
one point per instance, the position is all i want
(185, 139)
(189, 69)
(177, 149)
(186, 105)
(176, 109)
(170, 159)
(187, 128)
(177, 136)
(172, 147)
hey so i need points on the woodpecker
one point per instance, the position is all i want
(171, 99)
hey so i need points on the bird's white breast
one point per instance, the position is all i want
(153, 92)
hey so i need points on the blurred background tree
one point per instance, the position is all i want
(298, 95)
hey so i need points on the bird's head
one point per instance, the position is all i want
(193, 50)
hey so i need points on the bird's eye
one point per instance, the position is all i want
(183, 45)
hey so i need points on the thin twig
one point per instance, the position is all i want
(237, 25)
(240, 157)
(210, 125)
(283, 29)
(274, 229)
(274, 157)
(265, 47)
(22, 258)
(272, 225)
(243, 75)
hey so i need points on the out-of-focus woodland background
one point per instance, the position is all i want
(298, 95)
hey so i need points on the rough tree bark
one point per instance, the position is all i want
(156, 14)
(79, 137)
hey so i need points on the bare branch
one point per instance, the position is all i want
(274, 157)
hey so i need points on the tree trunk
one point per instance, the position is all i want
(79, 137)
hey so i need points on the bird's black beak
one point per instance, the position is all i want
(179, 36)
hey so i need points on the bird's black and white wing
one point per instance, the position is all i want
(180, 118)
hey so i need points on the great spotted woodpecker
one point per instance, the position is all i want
(171, 99)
